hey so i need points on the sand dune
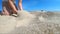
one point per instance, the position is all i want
(31, 23)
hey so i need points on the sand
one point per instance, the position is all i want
(31, 23)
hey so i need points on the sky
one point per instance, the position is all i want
(50, 5)
(0, 4)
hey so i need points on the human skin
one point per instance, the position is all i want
(20, 5)
(13, 6)
(5, 11)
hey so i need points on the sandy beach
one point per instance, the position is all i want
(31, 23)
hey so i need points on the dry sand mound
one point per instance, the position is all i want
(31, 23)
(24, 18)
(7, 24)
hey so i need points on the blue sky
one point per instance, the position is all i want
(0, 4)
(50, 5)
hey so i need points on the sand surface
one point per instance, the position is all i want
(31, 23)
